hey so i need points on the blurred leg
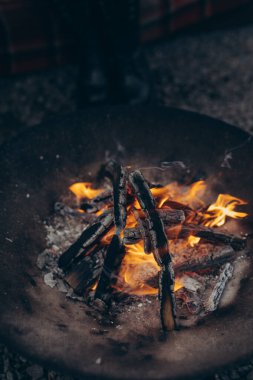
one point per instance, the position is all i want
(86, 21)
(107, 35)
(122, 18)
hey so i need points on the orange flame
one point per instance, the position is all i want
(106, 239)
(223, 207)
(84, 190)
(193, 240)
(190, 195)
(136, 269)
(130, 221)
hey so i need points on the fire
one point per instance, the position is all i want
(107, 238)
(84, 190)
(189, 195)
(137, 269)
(218, 212)
(131, 221)
(193, 240)
(138, 272)
(223, 207)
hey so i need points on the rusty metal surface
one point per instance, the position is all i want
(35, 169)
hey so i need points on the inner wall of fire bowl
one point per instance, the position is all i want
(39, 320)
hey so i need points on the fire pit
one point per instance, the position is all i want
(37, 171)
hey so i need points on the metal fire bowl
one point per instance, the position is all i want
(36, 169)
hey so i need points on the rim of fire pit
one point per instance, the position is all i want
(36, 168)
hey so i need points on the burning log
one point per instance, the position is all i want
(117, 175)
(166, 296)
(160, 249)
(143, 227)
(89, 236)
(169, 217)
(116, 251)
(133, 235)
(97, 203)
(113, 259)
(210, 235)
(217, 258)
(155, 225)
(189, 213)
(224, 276)
(84, 274)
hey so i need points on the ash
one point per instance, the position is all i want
(62, 230)
(201, 292)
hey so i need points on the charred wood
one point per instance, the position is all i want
(84, 274)
(99, 202)
(209, 235)
(144, 232)
(89, 237)
(196, 264)
(166, 297)
(160, 249)
(158, 237)
(133, 235)
(189, 213)
(115, 252)
(112, 262)
(105, 199)
(225, 275)
(169, 217)
(117, 175)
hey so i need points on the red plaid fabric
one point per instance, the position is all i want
(33, 36)
(164, 17)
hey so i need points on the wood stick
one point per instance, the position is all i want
(160, 249)
(144, 232)
(211, 236)
(189, 213)
(225, 275)
(106, 197)
(115, 252)
(97, 203)
(156, 228)
(217, 258)
(89, 236)
(112, 262)
(117, 175)
(133, 235)
(169, 217)
(166, 297)
(84, 274)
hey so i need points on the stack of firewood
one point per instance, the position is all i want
(93, 262)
